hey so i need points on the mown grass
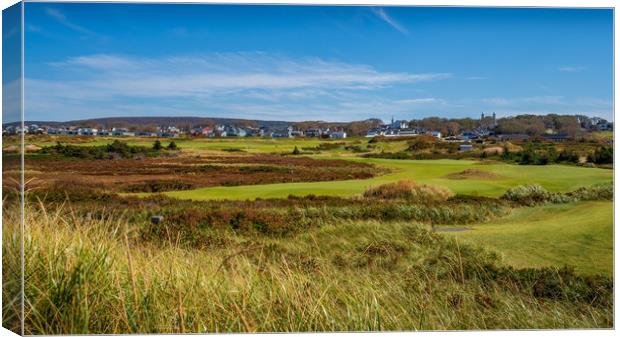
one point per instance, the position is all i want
(97, 276)
(556, 178)
(248, 144)
(576, 234)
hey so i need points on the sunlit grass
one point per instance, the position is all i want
(578, 234)
(97, 276)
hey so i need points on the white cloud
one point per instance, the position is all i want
(222, 83)
(61, 18)
(516, 101)
(217, 74)
(101, 61)
(419, 100)
(570, 69)
(496, 101)
(262, 86)
(381, 14)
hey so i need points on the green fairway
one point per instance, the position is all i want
(250, 144)
(579, 235)
(553, 177)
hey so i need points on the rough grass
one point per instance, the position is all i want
(474, 174)
(95, 276)
(533, 194)
(409, 190)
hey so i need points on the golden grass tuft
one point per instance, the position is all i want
(409, 190)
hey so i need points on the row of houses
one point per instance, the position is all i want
(14, 129)
(116, 132)
(287, 132)
(400, 129)
(172, 131)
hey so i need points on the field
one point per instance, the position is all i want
(580, 235)
(322, 238)
(553, 177)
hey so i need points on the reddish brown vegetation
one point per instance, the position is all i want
(185, 172)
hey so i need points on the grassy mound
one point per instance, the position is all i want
(474, 174)
(98, 276)
(409, 190)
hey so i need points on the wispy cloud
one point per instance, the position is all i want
(191, 76)
(263, 86)
(61, 18)
(570, 69)
(517, 101)
(218, 82)
(412, 101)
(99, 62)
(383, 15)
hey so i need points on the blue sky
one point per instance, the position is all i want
(11, 63)
(314, 62)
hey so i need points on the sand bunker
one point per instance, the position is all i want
(11, 149)
(32, 148)
(474, 174)
(494, 150)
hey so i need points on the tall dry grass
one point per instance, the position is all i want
(97, 276)
(409, 190)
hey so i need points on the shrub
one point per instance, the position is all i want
(569, 156)
(602, 155)
(529, 195)
(264, 168)
(330, 146)
(116, 149)
(419, 144)
(155, 186)
(409, 190)
(157, 145)
(594, 192)
(172, 146)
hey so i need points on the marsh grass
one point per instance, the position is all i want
(410, 191)
(534, 194)
(98, 276)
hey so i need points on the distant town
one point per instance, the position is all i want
(550, 127)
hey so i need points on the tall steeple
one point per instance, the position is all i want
(392, 120)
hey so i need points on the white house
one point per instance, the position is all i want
(338, 135)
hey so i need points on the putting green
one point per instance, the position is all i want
(552, 177)
(579, 235)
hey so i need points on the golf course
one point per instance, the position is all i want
(268, 227)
